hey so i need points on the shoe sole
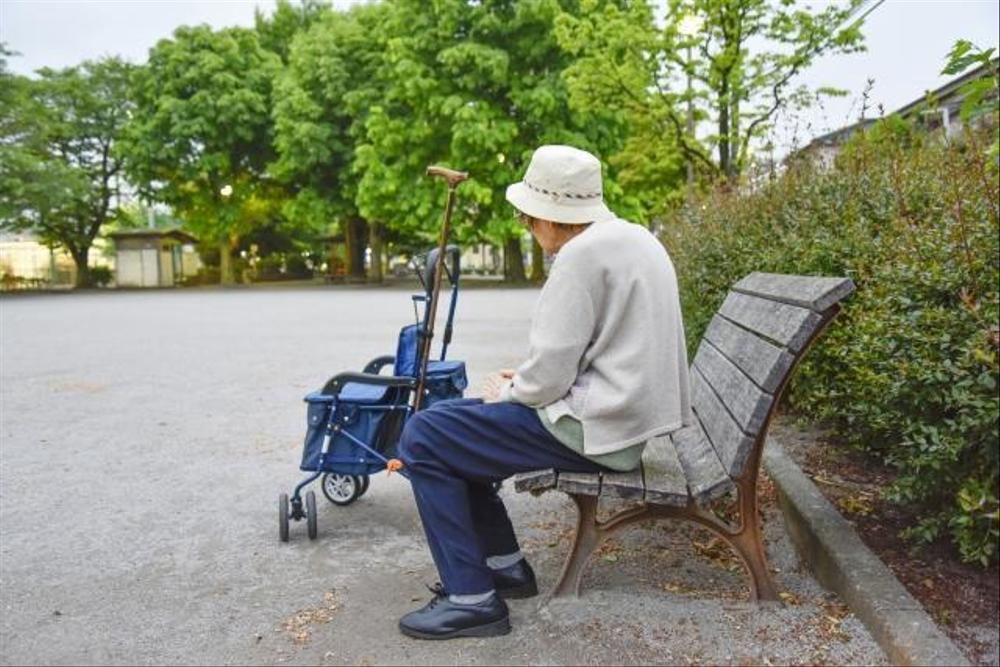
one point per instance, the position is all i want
(522, 592)
(494, 629)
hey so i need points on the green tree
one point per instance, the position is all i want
(201, 137)
(979, 96)
(321, 106)
(277, 30)
(476, 86)
(59, 164)
(733, 61)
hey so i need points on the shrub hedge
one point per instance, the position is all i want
(909, 371)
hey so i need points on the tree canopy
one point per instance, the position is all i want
(318, 123)
(201, 137)
(59, 158)
(733, 61)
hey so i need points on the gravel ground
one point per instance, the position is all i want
(146, 436)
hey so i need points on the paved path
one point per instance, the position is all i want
(145, 437)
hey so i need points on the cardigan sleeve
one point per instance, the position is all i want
(561, 330)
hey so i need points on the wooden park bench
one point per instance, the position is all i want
(746, 357)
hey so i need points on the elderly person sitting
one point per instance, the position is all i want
(606, 371)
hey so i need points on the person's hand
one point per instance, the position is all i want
(494, 383)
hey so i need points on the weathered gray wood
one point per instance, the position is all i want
(662, 473)
(766, 364)
(746, 402)
(589, 484)
(706, 478)
(788, 325)
(535, 481)
(625, 485)
(814, 292)
(730, 443)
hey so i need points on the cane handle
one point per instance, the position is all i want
(453, 177)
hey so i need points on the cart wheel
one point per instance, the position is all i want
(341, 489)
(283, 517)
(362, 481)
(311, 515)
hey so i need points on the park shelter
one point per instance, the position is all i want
(153, 257)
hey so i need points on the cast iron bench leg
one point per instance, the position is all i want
(747, 541)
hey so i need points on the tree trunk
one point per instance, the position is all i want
(356, 241)
(226, 262)
(81, 259)
(724, 163)
(513, 269)
(375, 232)
(537, 262)
(349, 244)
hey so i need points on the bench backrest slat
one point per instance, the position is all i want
(789, 326)
(765, 363)
(662, 473)
(729, 441)
(816, 293)
(745, 401)
(748, 351)
(706, 478)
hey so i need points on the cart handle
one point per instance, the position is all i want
(337, 382)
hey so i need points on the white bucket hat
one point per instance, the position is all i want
(562, 184)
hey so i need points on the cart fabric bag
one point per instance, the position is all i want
(445, 380)
(355, 419)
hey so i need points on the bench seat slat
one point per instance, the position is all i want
(766, 364)
(663, 476)
(788, 325)
(624, 485)
(535, 481)
(729, 441)
(706, 478)
(747, 403)
(816, 293)
(588, 484)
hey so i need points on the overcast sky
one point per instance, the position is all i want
(907, 42)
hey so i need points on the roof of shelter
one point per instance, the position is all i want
(151, 232)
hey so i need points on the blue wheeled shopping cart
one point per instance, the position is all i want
(354, 421)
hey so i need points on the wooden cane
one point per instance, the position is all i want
(453, 178)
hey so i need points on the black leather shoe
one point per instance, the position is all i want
(442, 619)
(516, 582)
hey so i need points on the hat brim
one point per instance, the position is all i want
(563, 210)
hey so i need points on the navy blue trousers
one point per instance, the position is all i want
(454, 452)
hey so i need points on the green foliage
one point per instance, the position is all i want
(475, 86)
(201, 137)
(100, 276)
(321, 105)
(979, 96)
(733, 61)
(910, 368)
(58, 159)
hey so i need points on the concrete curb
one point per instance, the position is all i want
(842, 563)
